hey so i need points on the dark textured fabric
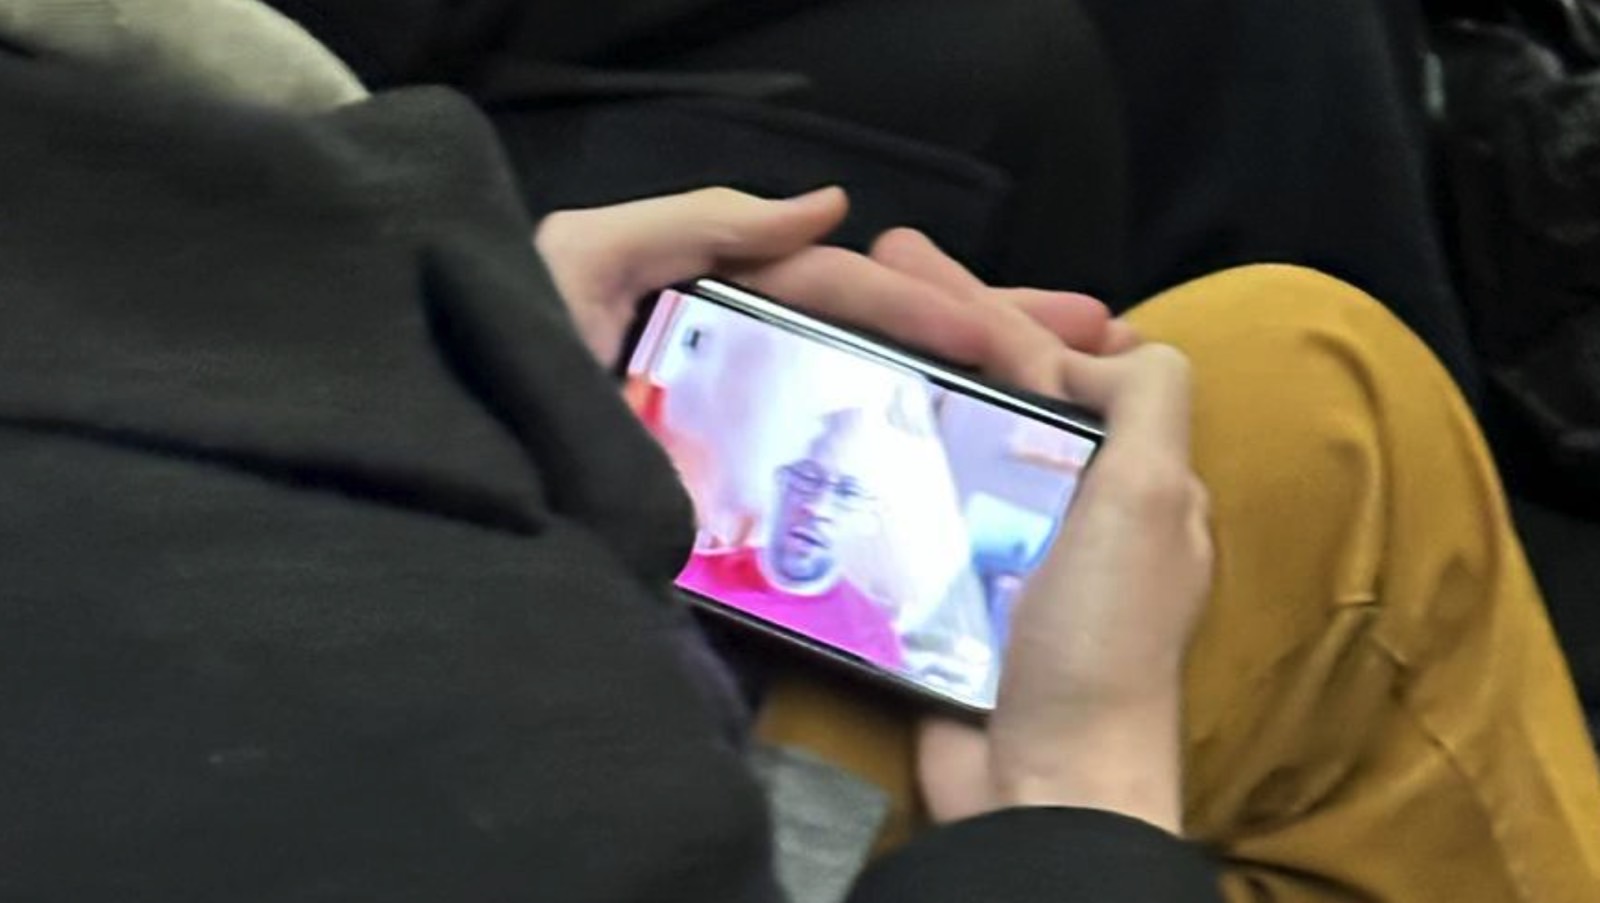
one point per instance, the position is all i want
(1059, 854)
(1017, 87)
(1022, 85)
(1516, 136)
(1147, 143)
(1284, 130)
(602, 153)
(334, 568)
(1564, 550)
(395, 42)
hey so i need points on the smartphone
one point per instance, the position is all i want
(861, 502)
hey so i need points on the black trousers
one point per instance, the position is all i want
(993, 125)
(1289, 130)
(1132, 145)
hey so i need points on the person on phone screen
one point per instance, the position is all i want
(796, 577)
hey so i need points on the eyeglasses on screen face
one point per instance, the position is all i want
(811, 482)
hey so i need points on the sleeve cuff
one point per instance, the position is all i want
(1045, 854)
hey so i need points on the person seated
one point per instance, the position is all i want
(336, 567)
(1287, 614)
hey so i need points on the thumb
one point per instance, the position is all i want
(741, 227)
(658, 241)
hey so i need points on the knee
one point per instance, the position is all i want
(1296, 354)
(1276, 291)
(1283, 312)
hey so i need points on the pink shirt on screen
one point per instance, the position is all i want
(843, 616)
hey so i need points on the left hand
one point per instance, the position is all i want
(605, 259)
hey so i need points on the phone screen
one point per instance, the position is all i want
(848, 495)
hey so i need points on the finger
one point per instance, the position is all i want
(1073, 317)
(1018, 351)
(1144, 395)
(857, 291)
(643, 245)
(913, 253)
(1120, 337)
(861, 292)
(1076, 319)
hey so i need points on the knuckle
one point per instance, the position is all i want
(811, 278)
(988, 341)
(565, 233)
(723, 218)
(833, 258)
(1201, 498)
(1204, 545)
(719, 196)
(1042, 374)
(1152, 485)
(555, 226)
(1203, 559)
(1165, 360)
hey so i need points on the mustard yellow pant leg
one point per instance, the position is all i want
(1376, 706)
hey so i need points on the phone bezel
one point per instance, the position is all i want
(1054, 412)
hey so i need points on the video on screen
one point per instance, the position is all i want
(850, 500)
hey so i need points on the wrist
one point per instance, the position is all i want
(1124, 758)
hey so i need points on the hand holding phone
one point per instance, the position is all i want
(1090, 707)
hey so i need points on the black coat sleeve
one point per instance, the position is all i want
(1044, 856)
(332, 568)
(399, 42)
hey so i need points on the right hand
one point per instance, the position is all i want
(1090, 701)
